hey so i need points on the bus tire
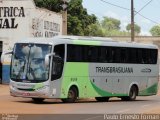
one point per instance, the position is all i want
(102, 99)
(72, 96)
(132, 94)
(38, 100)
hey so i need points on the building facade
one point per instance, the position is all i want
(21, 19)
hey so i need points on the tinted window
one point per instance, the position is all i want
(58, 61)
(108, 54)
(59, 50)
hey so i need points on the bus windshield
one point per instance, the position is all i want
(28, 62)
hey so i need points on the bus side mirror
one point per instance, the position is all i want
(3, 54)
(47, 58)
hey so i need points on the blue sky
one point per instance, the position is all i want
(151, 11)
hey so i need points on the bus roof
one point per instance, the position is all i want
(86, 40)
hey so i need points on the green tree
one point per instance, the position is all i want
(76, 10)
(111, 27)
(80, 22)
(116, 33)
(95, 30)
(53, 5)
(137, 28)
(78, 18)
(110, 23)
(74, 26)
(155, 30)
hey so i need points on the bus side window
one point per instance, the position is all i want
(110, 54)
(59, 50)
(74, 53)
(132, 55)
(93, 54)
(58, 61)
(78, 53)
(86, 53)
(70, 53)
(123, 55)
(103, 54)
(149, 56)
(153, 56)
(117, 55)
(57, 68)
(145, 56)
(139, 56)
(127, 55)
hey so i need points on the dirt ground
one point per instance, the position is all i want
(4, 89)
(155, 110)
(4, 93)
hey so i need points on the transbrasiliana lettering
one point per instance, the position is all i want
(114, 70)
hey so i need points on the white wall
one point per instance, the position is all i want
(20, 19)
(45, 23)
(14, 17)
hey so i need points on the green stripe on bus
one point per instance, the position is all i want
(75, 73)
(105, 93)
(78, 74)
(152, 90)
(38, 86)
(86, 42)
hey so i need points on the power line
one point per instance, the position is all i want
(148, 18)
(134, 11)
(144, 7)
(138, 12)
(158, 1)
(116, 5)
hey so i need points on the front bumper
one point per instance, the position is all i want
(39, 93)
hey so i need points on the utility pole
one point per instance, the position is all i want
(64, 23)
(132, 21)
(64, 16)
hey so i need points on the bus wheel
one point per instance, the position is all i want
(102, 99)
(38, 100)
(132, 94)
(72, 95)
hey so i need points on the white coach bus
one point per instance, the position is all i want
(72, 67)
